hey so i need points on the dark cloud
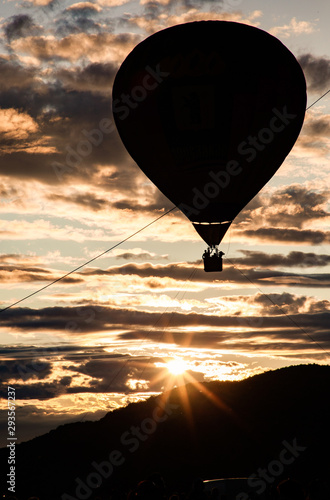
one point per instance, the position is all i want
(143, 256)
(78, 25)
(103, 373)
(114, 375)
(45, 390)
(183, 272)
(317, 71)
(88, 201)
(95, 77)
(155, 275)
(290, 337)
(291, 207)
(71, 122)
(10, 257)
(13, 74)
(307, 206)
(283, 303)
(157, 202)
(78, 19)
(13, 268)
(152, 9)
(66, 381)
(293, 259)
(107, 318)
(20, 25)
(317, 127)
(36, 352)
(24, 369)
(315, 135)
(25, 274)
(280, 303)
(286, 235)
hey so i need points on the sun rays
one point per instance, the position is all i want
(177, 366)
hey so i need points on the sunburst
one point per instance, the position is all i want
(176, 366)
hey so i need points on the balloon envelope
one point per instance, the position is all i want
(209, 110)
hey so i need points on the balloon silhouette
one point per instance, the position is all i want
(209, 110)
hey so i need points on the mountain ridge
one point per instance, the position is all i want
(215, 429)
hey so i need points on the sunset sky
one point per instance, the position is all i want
(105, 335)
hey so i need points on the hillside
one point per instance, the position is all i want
(277, 421)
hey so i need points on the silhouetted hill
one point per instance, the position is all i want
(271, 425)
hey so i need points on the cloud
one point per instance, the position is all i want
(25, 274)
(109, 318)
(13, 74)
(24, 369)
(286, 235)
(42, 3)
(283, 215)
(95, 77)
(137, 254)
(83, 6)
(59, 107)
(157, 16)
(282, 303)
(20, 133)
(291, 206)
(16, 257)
(295, 206)
(99, 47)
(293, 259)
(270, 304)
(285, 337)
(315, 136)
(37, 391)
(161, 277)
(155, 202)
(101, 372)
(112, 3)
(64, 118)
(79, 18)
(110, 373)
(171, 275)
(20, 26)
(294, 28)
(16, 126)
(317, 71)
(88, 200)
(116, 374)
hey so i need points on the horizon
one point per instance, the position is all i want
(256, 423)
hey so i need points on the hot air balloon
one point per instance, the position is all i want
(209, 110)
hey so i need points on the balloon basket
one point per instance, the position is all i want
(212, 261)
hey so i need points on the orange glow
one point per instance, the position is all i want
(176, 366)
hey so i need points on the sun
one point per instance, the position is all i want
(176, 366)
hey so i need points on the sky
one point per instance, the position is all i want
(145, 316)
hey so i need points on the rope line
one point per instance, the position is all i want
(317, 100)
(109, 249)
(88, 262)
